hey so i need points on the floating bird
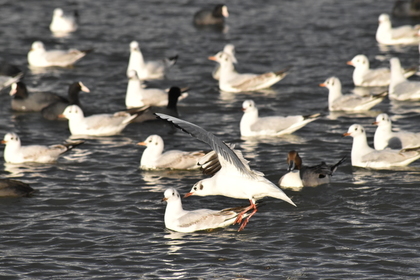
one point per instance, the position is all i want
(364, 156)
(52, 111)
(253, 125)
(402, 35)
(138, 96)
(39, 57)
(214, 16)
(235, 178)
(146, 70)
(16, 153)
(178, 219)
(365, 77)
(300, 176)
(349, 102)
(9, 74)
(14, 188)
(232, 81)
(228, 49)
(62, 23)
(30, 101)
(386, 138)
(154, 158)
(96, 125)
(400, 88)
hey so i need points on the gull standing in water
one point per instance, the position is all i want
(253, 125)
(364, 156)
(337, 101)
(363, 76)
(402, 35)
(386, 138)
(96, 125)
(16, 153)
(230, 50)
(235, 178)
(400, 88)
(38, 56)
(300, 176)
(153, 156)
(232, 81)
(146, 70)
(178, 219)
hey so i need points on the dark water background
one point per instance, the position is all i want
(97, 216)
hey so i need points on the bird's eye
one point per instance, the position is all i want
(362, 130)
(355, 128)
(195, 188)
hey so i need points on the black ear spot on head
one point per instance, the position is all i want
(201, 186)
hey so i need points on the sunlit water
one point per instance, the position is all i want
(97, 216)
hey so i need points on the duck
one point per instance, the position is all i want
(38, 56)
(25, 101)
(148, 70)
(300, 176)
(14, 152)
(14, 188)
(337, 101)
(54, 110)
(385, 138)
(253, 125)
(154, 158)
(213, 16)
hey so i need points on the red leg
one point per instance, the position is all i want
(240, 216)
(245, 222)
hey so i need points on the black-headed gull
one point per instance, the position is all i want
(25, 101)
(14, 188)
(9, 74)
(63, 23)
(213, 16)
(153, 69)
(365, 77)
(386, 138)
(232, 81)
(400, 88)
(153, 156)
(300, 176)
(235, 178)
(137, 95)
(230, 50)
(96, 125)
(52, 111)
(14, 152)
(178, 219)
(38, 56)
(337, 101)
(253, 125)
(364, 156)
(402, 35)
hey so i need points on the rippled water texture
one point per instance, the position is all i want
(97, 216)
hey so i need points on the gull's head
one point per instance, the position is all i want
(230, 50)
(383, 18)
(72, 111)
(199, 189)
(11, 138)
(355, 130)
(395, 63)
(58, 12)
(134, 46)
(248, 106)
(331, 82)
(222, 58)
(359, 60)
(152, 141)
(132, 75)
(382, 120)
(37, 45)
(171, 194)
